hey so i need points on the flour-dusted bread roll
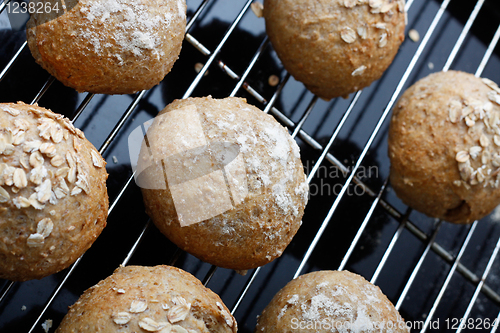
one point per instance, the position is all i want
(235, 188)
(53, 197)
(335, 47)
(148, 299)
(330, 301)
(444, 146)
(108, 46)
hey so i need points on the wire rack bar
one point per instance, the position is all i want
(418, 265)
(196, 14)
(6, 290)
(203, 70)
(12, 61)
(399, 88)
(449, 61)
(489, 52)
(404, 222)
(389, 249)
(491, 294)
(71, 269)
(199, 46)
(362, 227)
(121, 122)
(439, 250)
(448, 277)
(104, 147)
(304, 117)
(271, 102)
(44, 89)
(330, 158)
(334, 136)
(480, 284)
(55, 293)
(463, 34)
(245, 289)
(3, 4)
(495, 324)
(256, 57)
(209, 275)
(82, 107)
(136, 243)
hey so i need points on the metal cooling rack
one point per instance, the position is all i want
(435, 273)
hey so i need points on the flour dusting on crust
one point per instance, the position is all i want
(136, 32)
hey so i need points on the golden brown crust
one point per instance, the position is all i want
(330, 301)
(437, 118)
(335, 47)
(53, 196)
(109, 46)
(258, 229)
(148, 299)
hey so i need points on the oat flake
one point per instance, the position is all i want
(462, 156)
(359, 71)
(350, 3)
(257, 9)
(362, 32)
(383, 40)
(414, 35)
(348, 35)
(138, 306)
(151, 325)
(122, 318)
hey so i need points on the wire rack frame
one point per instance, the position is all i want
(325, 155)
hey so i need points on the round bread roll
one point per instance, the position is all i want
(330, 301)
(235, 190)
(53, 197)
(148, 299)
(335, 47)
(108, 46)
(444, 146)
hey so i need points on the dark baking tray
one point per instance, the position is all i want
(235, 40)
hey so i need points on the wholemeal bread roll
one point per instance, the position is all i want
(444, 146)
(148, 299)
(330, 301)
(235, 188)
(335, 47)
(53, 197)
(108, 46)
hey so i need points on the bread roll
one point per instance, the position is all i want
(235, 188)
(53, 197)
(335, 47)
(444, 146)
(330, 301)
(148, 299)
(108, 46)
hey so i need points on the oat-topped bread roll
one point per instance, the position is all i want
(148, 299)
(53, 197)
(335, 47)
(235, 190)
(444, 146)
(330, 301)
(108, 46)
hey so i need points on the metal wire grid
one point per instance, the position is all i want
(296, 129)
